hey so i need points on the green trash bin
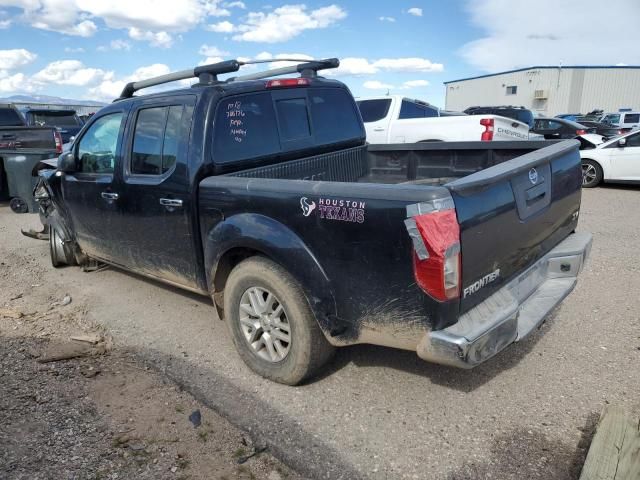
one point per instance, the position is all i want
(20, 180)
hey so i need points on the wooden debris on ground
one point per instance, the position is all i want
(615, 449)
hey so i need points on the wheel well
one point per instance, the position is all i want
(226, 264)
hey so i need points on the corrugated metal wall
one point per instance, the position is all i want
(568, 90)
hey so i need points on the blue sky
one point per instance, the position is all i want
(88, 49)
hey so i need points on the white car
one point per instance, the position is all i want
(626, 120)
(396, 119)
(616, 160)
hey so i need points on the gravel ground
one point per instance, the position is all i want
(381, 413)
(105, 414)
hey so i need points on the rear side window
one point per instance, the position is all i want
(410, 109)
(256, 125)
(156, 140)
(632, 117)
(374, 110)
(10, 118)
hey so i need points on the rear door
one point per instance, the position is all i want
(625, 161)
(89, 192)
(376, 115)
(155, 206)
(511, 214)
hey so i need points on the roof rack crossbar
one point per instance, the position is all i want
(306, 69)
(208, 74)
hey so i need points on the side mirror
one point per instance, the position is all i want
(72, 138)
(622, 142)
(67, 162)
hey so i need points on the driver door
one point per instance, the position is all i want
(87, 192)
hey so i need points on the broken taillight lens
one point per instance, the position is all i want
(437, 267)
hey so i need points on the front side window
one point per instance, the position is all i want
(374, 110)
(97, 147)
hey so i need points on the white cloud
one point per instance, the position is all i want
(117, 44)
(156, 39)
(150, 20)
(377, 85)
(286, 22)
(387, 19)
(71, 72)
(221, 27)
(15, 83)
(363, 66)
(415, 11)
(15, 58)
(5, 24)
(111, 88)
(235, 5)
(211, 51)
(517, 38)
(410, 64)
(415, 84)
(74, 50)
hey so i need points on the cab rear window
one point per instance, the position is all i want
(257, 125)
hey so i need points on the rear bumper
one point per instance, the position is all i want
(511, 313)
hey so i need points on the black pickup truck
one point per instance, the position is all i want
(21, 149)
(263, 194)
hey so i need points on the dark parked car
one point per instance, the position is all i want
(517, 113)
(66, 121)
(604, 129)
(263, 194)
(557, 128)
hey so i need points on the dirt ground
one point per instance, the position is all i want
(374, 412)
(103, 414)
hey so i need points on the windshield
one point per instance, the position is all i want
(611, 118)
(55, 119)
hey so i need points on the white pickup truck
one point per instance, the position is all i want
(397, 119)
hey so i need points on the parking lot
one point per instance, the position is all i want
(383, 413)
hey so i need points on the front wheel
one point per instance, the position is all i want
(271, 322)
(591, 174)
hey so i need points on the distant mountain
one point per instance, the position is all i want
(48, 99)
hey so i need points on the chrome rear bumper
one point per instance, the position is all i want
(512, 312)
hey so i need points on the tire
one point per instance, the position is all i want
(56, 248)
(258, 285)
(591, 174)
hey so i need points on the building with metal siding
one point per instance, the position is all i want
(80, 109)
(550, 91)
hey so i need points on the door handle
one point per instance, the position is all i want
(171, 202)
(109, 195)
(378, 129)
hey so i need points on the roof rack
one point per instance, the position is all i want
(208, 74)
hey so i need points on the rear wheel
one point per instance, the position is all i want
(272, 325)
(591, 174)
(56, 248)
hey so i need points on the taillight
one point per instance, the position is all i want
(58, 139)
(487, 135)
(436, 255)
(581, 132)
(288, 82)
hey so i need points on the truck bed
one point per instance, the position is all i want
(434, 163)
(508, 219)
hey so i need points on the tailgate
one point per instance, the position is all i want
(509, 129)
(513, 213)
